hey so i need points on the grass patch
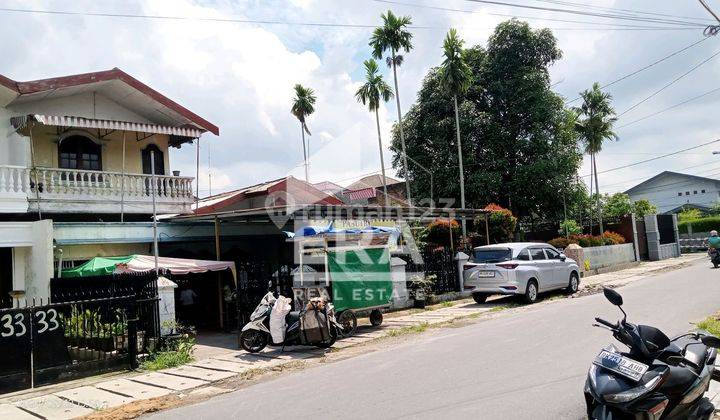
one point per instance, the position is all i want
(447, 304)
(503, 307)
(173, 354)
(411, 329)
(711, 324)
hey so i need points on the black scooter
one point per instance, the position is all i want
(658, 378)
(714, 257)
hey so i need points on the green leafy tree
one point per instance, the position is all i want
(371, 93)
(570, 227)
(642, 208)
(689, 214)
(618, 205)
(595, 125)
(393, 36)
(455, 77)
(303, 105)
(517, 136)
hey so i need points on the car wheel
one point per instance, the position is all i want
(531, 292)
(573, 284)
(479, 298)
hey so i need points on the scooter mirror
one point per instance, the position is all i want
(711, 341)
(613, 296)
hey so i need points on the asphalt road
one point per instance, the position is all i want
(529, 365)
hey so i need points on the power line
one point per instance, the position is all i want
(279, 22)
(623, 11)
(640, 70)
(694, 98)
(448, 9)
(654, 158)
(672, 82)
(593, 14)
(644, 178)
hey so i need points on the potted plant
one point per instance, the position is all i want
(421, 288)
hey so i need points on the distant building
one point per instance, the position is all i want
(369, 190)
(329, 188)
(671, 191)
(278, 192)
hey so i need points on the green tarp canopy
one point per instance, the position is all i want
(98, 266)
(360, 278)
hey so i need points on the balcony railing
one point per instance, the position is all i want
(81, 188)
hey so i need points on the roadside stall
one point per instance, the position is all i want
(356, 267)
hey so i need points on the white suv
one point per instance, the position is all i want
(521, 268)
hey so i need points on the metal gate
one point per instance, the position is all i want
(642, 239)
(53, 342)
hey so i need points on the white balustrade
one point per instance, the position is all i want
(70, 184)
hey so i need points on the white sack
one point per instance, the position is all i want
(277, 319)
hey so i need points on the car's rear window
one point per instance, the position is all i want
(491, 255)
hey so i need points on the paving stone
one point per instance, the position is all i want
(222, 365)
(198, 373)
(11, 412)
(93, 397)
(54, 407)
(287, 355)
(134, 389)
(343, 344)
(176, 383)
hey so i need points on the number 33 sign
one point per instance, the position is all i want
(14, 325)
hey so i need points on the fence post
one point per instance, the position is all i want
(132, 333)
(461, 259)
(676, 231)
(653, 237)
(636, 244)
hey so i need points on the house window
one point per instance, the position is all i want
(78, 152)
(679, 194)
(695, 192)
(687, 192)
(702, 191)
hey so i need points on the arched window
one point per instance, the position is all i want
(79, 152)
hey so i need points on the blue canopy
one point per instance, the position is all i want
(309, 231)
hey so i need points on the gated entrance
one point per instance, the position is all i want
(55, 342)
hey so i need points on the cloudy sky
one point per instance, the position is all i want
(240, 75)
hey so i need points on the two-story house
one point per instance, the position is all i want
(76, 157)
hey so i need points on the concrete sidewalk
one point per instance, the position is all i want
(66, 401)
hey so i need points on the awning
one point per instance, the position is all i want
(81, 122)
(100, 266)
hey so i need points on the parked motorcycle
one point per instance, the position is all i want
(256, 335)
(658, 378)
(714, 257)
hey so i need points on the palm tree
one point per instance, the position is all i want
(303, 105)
(455, 78)
(393, 36)
(596, 118)
(370, 94)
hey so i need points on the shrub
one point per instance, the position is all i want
(175, 353)
(706, 224)
(689, 214)
(613, 238)
(438, 232)
(501, 224)
(571, 227)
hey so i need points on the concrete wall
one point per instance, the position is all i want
(663, 192)
(669, 251)
(32, 244)
(605, 256)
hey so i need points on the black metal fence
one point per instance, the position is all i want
(438, 264)
(72, 337)
(255, 279)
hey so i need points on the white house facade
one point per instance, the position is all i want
(671, 191)
(80, 149)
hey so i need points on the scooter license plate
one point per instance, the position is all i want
(621, 365)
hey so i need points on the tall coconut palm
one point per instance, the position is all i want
(370, 94)
(596, 118)
(393, 37)
(303, 105)
(455, 78)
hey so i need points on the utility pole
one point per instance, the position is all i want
(154, 186)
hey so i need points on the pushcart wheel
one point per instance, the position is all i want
(376, 317)
(348, 321)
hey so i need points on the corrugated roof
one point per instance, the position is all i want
(371, 181)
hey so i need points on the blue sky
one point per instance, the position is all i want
(240, 76)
